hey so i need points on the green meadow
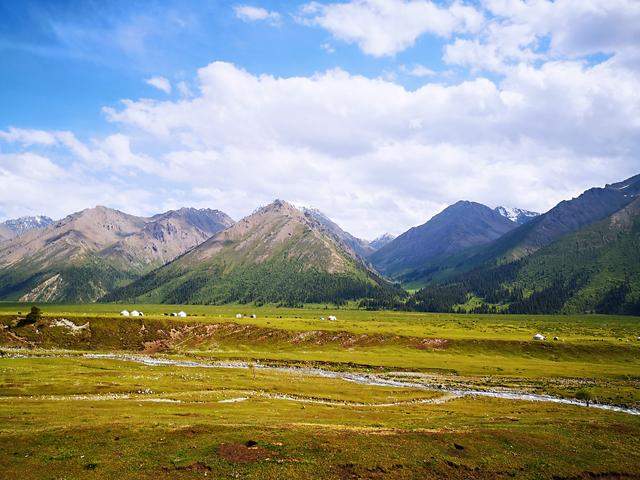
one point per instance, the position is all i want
(66, 414)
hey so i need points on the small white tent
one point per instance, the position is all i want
(182, 314)
(135, 313)
(332, 318)
(124, 313)
(238, 315)
(539, 336)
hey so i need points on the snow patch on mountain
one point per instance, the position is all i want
(382, 240)
(517, 215)
(22, 225)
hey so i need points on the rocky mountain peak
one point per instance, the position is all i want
(517, 215)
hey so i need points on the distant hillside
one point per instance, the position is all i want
(596, 269)
(360, 247)
(164, 237)
(85, 255)
(15, 227)
(458, 227)
(517, 215)
(568, 216)
(278, 254)
(381, 241)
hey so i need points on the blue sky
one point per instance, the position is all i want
(93, 54)
(378, 112)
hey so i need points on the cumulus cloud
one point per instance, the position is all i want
(370, 153)
(34, 184)
(335, 140)
(160, 83)
(417, 71)
(28, 136)
(489, 35)
(526, 32)
(386, 27)
(249, 13)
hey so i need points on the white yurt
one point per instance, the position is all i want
(332, 318)
(182, 314)
(135, 313)
(539, 336)
(124, 313)
(238, 315)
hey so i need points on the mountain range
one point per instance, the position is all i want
(517, 215)
(14, 228)
(381, 241)
(580, 256)
(458, 227)
(359, 246)
(278, 254)
(85, 255)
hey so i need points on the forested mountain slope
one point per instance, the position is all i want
(456, 228)
(277, 254)
(596, 269)
(568, 216)
(85, 255)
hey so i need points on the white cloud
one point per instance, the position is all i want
(386, 27)
(540, 135)
(417, 71)
(34, 184)
(490, 35)
(249, 13)
(160, 83)
(28, 137)
(368, 152)
(327, 47)
(519, 31)
(184, 89)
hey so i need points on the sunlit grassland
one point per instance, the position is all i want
(442, 325)
(71, 416)
(48, 431)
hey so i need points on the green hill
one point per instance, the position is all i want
(89, 253)
(596, 269)
(457, 228)
(278, 254)
(568, 216)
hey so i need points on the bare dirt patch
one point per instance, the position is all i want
(191, 467)
(156, 336)
(193, 335)
(248, 452)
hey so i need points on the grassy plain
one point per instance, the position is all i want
(68, 416)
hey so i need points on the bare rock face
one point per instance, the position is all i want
(83, 256)
(360, 247)
(381, 241)
(15, 227)
(168, 236)
(259, 236)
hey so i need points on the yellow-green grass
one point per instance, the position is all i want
(28, 377)
(58, 437)
(598, 351)
(568, 328)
